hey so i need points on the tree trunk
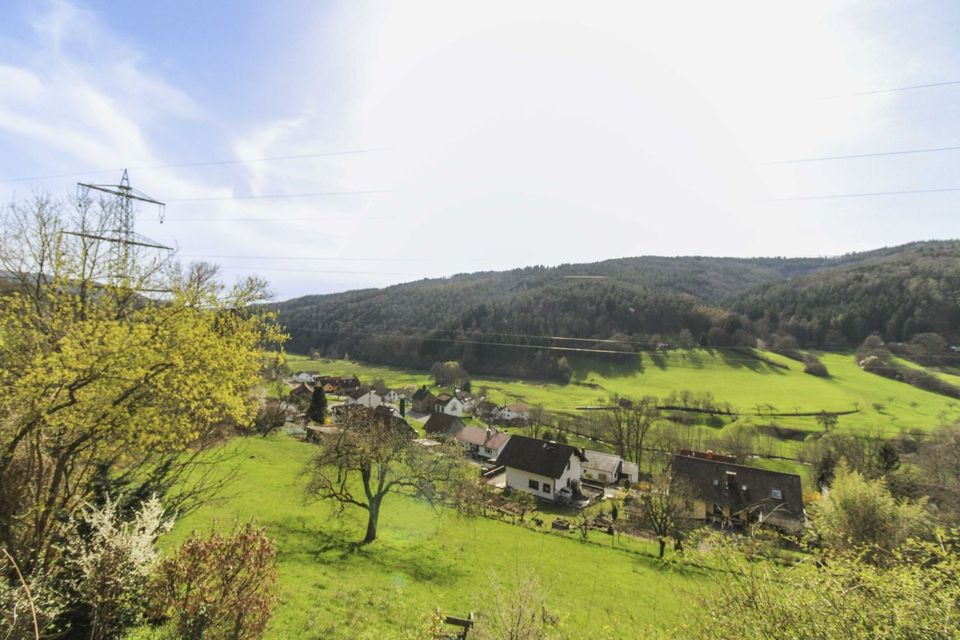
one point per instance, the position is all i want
(663, 544)
(373, 519)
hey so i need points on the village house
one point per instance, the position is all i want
(303, 377)
(736, 495)
(394, 396)
(422, 400)
(483, 443)
(365, 398)
(449, 404)
(443, 425)
(302, 391)
(338, 384)
(607, 468)
(541, 467)
(511, 413)
(343, 413)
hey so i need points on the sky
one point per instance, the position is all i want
(464, 137)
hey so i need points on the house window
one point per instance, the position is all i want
(716, 483)
(533, 484)
(546, 487)
(776, 494)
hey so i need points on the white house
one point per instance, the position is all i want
(448, 404)
(394, 396)
(509, 413)
(484, 443)
(608, 468)
(541, 467)
(364, 398)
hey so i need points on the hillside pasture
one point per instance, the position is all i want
(424, 559)
(749, 385)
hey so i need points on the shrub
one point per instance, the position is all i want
(220, 587)
(814, 367)
(107, 566)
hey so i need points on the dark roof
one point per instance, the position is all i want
(422, 393)
(442, 423)
(444, 398)
(741, 487)
(542, 457)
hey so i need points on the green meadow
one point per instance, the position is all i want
(749, 385)
(426, 559)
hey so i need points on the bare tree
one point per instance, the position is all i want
(628, 424)
(515, 612)
(373, 456)
(663, 510)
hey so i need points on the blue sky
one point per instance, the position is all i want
(509, 134)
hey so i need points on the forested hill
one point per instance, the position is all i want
(635, 302)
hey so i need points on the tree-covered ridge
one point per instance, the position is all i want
(898, 295)
(626, 304)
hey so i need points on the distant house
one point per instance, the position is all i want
(541, 467)
(303, 377)
(468, 400)
(608, 468)
(343, 414)
(734, 494)
(394, 396)
(484, 443)
(423, 400)
(511, 413)
(368, 398)
(302, 391)
(338, 384)
(449, 404)
(484, 410)
(443, 425)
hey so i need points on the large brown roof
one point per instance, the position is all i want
(741, 487)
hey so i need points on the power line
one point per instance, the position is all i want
(206, 163)
(369, 273)
(281, 195)
(231, 219)
(865, 194)
(930, 85)
(851, 156)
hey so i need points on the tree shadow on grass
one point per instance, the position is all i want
(743, 360)
(338, 544)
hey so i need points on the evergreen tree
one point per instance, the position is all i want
(317, 411)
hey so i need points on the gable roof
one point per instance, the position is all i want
(359, 393)
(741, 487)
(442, 423)
(444, 398)
(603, 462)
(422, 393)
(488, 438)
(543, 457)
(382, 414)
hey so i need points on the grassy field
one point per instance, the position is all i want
(886, 406)
(424, 560)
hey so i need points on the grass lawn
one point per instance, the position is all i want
(329, 589)
(886, 406)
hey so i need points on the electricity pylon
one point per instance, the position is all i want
(120, 225)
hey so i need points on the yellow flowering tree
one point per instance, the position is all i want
(106, 375)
